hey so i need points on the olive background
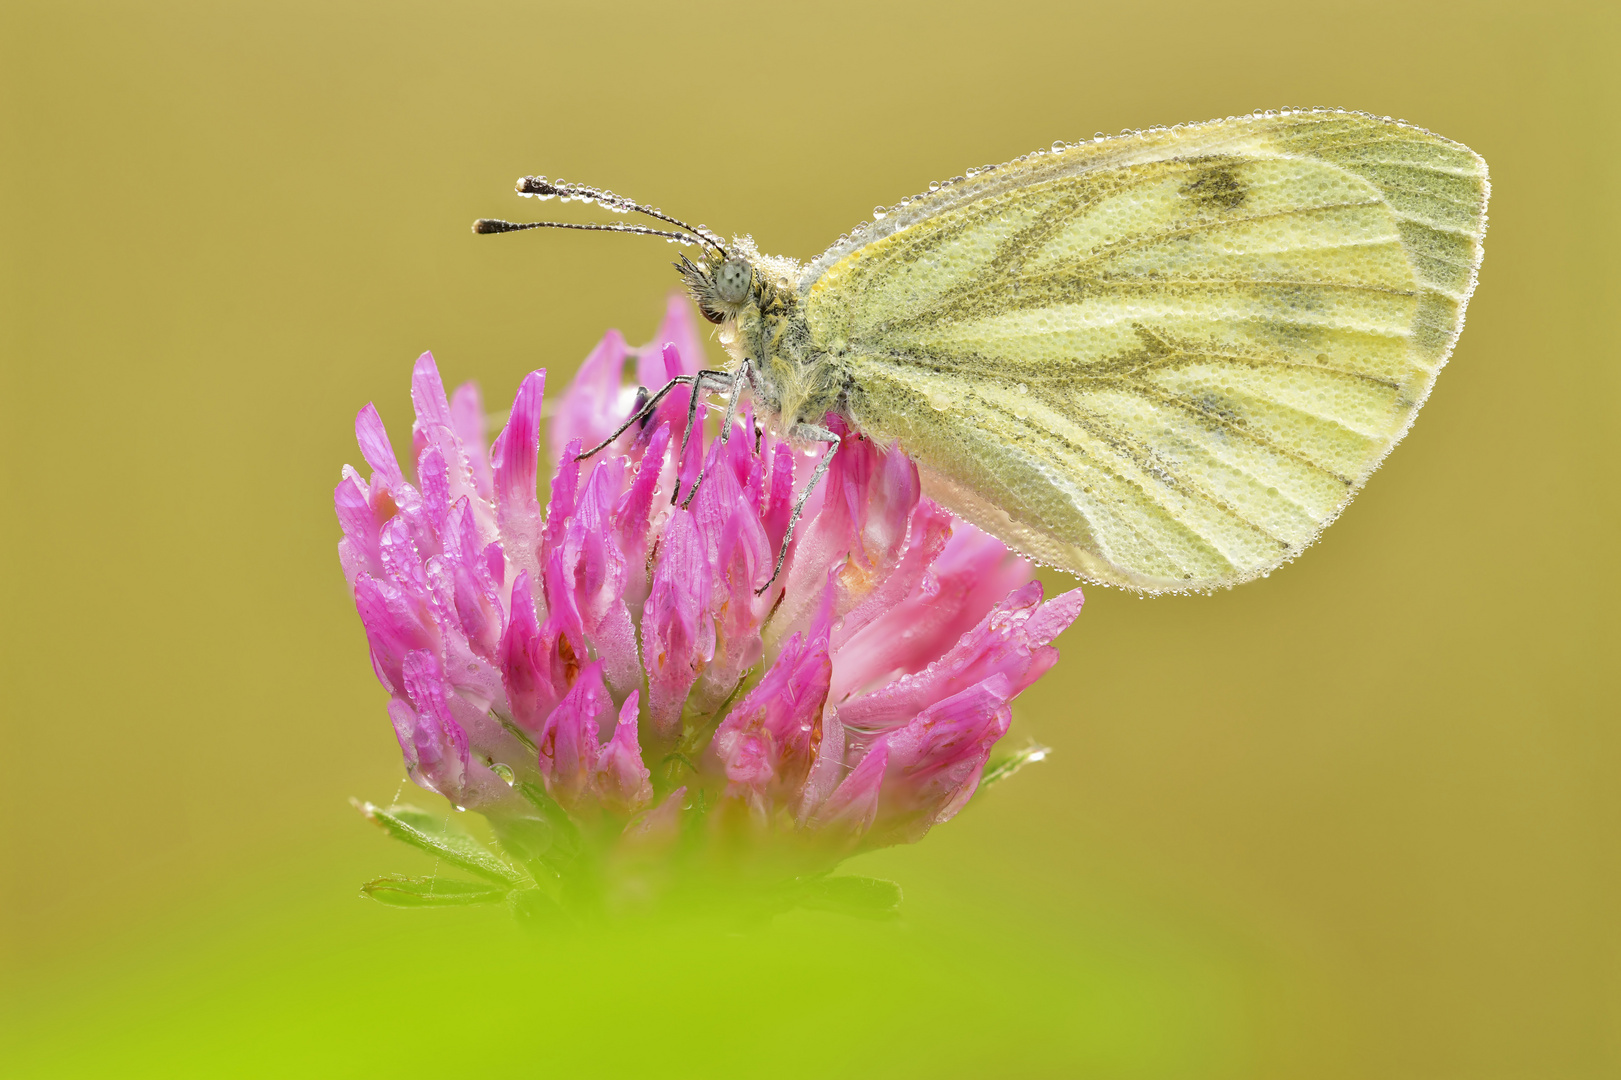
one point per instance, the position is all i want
(1359, 819)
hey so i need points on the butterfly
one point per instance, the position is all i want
(1164, 360)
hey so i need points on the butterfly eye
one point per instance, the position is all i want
(732, 281)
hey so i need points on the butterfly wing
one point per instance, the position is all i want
(1164, 361)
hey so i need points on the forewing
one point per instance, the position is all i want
(1164, 361)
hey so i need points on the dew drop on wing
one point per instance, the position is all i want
(1059, 145)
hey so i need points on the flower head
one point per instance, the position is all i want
(613, 658)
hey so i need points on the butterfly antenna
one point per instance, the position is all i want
(496, 225)
(541, 188)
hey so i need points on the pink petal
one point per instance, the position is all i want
(358, 548)
(400, 550)
(393, 629)
(660, 826)
(1055, 616)
(591, 407)
(633, 515)
(678, 635)
(868, 499)
(435, 427)
(591, 543)
(679, 330)
(779, 497)
(828, 770)
(565, 493)
(929, 533)
(563, 628)
(673, 415)
(467, 418)
(375, 447)
(854, 803)
(433, 480)
(980, 571)
(593, 567)
(935, 761)
(622, 783)
(1004, 642)
(768, 742)
(526, 661)
(439, 742)
(514, 463)
(739, 560)
(567, 744)
(478, 611)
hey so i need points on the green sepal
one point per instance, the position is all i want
(1001, 768)
(567, 835)
(861, 897)
(532, 841)
(440, 837)
(396, 890)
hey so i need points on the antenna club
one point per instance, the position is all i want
(485, 226)
(537, 185)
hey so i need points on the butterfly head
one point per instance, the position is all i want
(722, 285)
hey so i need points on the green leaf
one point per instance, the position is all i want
(440, 837)
(861, 897)
(397, 891)
(568, 833)
(529, 839)
(1003, 767)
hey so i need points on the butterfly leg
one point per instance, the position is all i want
(725, 434)
(643, 410)
(707, 379)
(738, 379)
(810, 433)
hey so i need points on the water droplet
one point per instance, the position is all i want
(460, 809)
(1097, 136)
(934, 185)
(504, 772)
(1059, 145)
(879, 213)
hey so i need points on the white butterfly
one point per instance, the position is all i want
(1165, 360)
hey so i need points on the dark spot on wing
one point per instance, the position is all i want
(1216, 406)
(1216, 187)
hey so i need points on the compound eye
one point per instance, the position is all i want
(733, 280)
